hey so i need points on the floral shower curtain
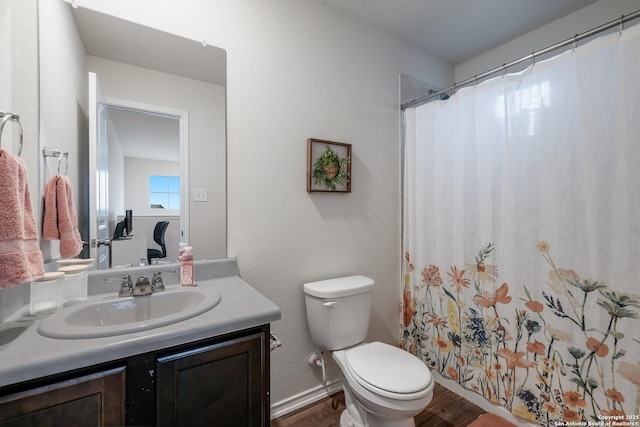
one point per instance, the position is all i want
(522, 236)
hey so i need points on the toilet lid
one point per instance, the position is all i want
(388, 368)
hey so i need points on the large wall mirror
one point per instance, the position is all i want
(136, 118)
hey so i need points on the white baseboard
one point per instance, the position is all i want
(315, 394)
(303, 399)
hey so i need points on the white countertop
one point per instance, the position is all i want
(26, 355)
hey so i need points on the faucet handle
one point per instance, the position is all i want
(157, 284)
(126, 286)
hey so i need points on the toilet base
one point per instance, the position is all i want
(365, 409)
(355, 415)
(347, 421)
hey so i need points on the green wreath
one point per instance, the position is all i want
(331, 169)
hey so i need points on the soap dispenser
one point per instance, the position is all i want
(187, 274)
(181, 247)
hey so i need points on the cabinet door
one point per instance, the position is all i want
(216, 385)
(91, 400)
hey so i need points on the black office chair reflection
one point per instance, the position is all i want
(158, 237)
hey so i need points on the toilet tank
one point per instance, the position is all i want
(338, 311)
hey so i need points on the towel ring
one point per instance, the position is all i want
(66, 163)
(16, 118)
(54, 152)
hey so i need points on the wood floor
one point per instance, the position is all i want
(447, 409)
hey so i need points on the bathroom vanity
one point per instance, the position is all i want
(211, 368)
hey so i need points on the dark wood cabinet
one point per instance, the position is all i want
(220, 381)
(215, 385)
(90, 400)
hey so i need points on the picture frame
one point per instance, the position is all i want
(328, 166)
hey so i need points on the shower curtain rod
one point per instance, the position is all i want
(618, 22)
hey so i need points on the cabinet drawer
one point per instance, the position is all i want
(91, 400)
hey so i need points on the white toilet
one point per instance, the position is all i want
(383, 385)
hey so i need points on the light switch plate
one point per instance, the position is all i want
(200, 195)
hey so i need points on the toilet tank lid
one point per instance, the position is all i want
(339, 287)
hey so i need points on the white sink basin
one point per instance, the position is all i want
(106, 316)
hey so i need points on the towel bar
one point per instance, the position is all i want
(5, 116)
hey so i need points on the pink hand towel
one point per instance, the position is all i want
(20, 256)
(70, 240)
(50, 220)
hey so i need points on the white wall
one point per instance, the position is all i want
(297, 70)
(136, 173)
(64, 67)
(63, 106)
(116, 180)
(19, 95)
(205, 104)
(560, 30)
(19, 81)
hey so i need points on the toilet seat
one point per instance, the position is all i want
(389, 371)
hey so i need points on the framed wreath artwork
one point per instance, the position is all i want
(328, 166)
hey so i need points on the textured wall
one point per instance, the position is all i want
(297, 70)
(63, 107)
(19, 95)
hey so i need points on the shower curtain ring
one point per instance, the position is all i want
(621, 23)
(575, 42)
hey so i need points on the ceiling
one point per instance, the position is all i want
(145, 135)
(453, 30)
(123, 41)
(457, 30)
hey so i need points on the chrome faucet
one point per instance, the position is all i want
(142, 287)
(128, 289)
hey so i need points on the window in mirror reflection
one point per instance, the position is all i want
(164, 192)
